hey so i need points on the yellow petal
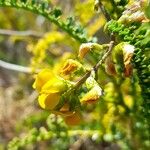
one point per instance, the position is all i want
(54, 85)
(49, 101)
(128, 100)
(42, 78)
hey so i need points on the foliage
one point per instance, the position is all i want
(101, 91)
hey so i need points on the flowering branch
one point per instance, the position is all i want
(83, 79)
(95, 68)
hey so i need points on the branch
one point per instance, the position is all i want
(21, 33)
(14, 67)
(104, 11)
(95, 68)
(83, 79)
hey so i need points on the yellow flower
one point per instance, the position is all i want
(49, 101)
(50, 87)
(42, 78)
(51, 92)
(73, 119)
(92, 96)
(70, 66)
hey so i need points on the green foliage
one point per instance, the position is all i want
(104, 103)
(138, 36)
(52, 14)
(55, 128)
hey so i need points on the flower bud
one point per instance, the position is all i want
(128, 51)
(84, 49)
(87, 47)
(128, 100)
(92, 96)
(109, 66)
(74, 119)
(70, 66)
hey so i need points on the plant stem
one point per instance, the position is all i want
(21, 33)
(95, 68)
(101, 6)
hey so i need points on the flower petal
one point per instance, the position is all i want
(49, 101)
(55, 85)
(42, 78)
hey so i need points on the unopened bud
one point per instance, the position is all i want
(87, 47)
(92, 96)
(74, 119)
(109, 66)
(128, 51)
(84, 49)
(70, 66)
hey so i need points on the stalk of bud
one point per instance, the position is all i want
(109, 66)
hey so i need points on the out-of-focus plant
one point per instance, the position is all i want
(103, 89)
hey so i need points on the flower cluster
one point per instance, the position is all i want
(59, 95)
(50, 88)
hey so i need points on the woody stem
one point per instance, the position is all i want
(95, 68)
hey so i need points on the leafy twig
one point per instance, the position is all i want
(83, 79)
(53, 15)
(95, 68)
